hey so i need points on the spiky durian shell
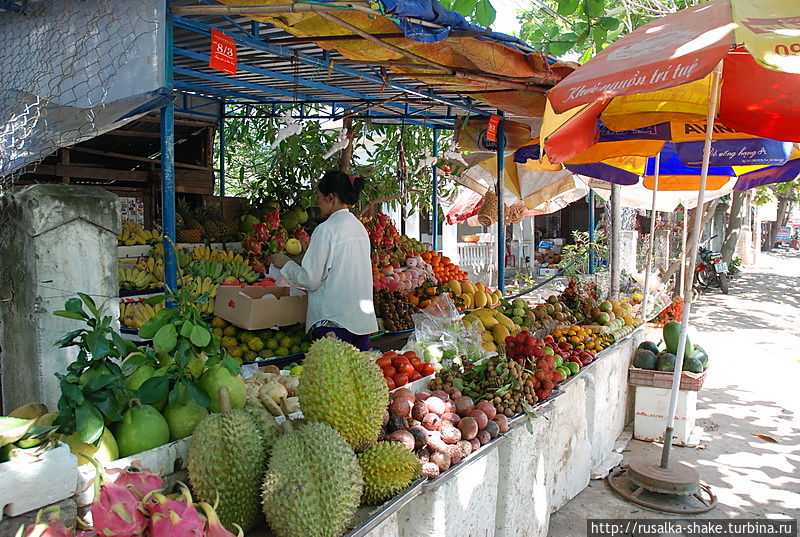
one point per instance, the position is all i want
(387, 468)
(268, 428)
(227, 458)
(313, 485)
(344, 388)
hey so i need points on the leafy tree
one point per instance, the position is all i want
(587, 26)
(786, 194)
(389, 156)
(480, 12)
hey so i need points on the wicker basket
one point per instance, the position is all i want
(516, 213)
(470, 238)
(663, 379)
(487, 214)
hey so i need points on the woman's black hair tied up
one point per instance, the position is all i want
(346, 187)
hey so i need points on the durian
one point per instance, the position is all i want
(227, 462)
(344, 388)
(268, 428)
(313, 485)
(387, 468)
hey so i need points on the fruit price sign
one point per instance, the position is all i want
(223, 53)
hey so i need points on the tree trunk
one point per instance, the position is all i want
(708, 213)
(782, 216)
(735, 221)
(347, 153)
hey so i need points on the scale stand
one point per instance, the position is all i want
(676, 489)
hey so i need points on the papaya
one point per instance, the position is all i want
(480, 287)
(645, 359)
(692, 365)
(672, 334)
(467, 299)
(467, 287)
(500, 334)
(505, 321)
(480, 299)
(486, 318)
(455, 286)
(666, 361)
(649, 346)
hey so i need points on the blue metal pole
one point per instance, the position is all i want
(501, 224)
(435, 196)
(591, 231)
(222, 151)
(168, 168)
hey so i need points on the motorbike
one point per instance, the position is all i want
(711, 271)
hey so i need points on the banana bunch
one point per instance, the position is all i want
(213, 269)
(200, 286)
(153, 267)
(206, 253)
(241, 271)
(134, 234)
(135, 314)
(130, 279)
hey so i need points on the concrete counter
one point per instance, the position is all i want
(512, 489)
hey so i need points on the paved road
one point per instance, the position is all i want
(753, 387)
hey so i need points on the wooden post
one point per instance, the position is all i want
(63, 158)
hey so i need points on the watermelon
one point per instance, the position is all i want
(645, 359)
(692, 365)
(666, 361)
(702, 355)
(649, 346)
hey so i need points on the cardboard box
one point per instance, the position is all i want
(259, 308)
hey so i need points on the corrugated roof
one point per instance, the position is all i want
(305, 58)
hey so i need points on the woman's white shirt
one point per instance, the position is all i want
(337, 273)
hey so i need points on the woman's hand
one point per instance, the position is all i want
(279, 260)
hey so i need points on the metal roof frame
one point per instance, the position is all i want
(276, 70)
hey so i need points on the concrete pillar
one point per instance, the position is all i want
(59, 240)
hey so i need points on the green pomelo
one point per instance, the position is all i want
(314, 483)
(387, 468)
(105, 452)
(139, 376)
(217, 377)
(302, 215)
(226, 464)
(345, 389)
(184, 415)
(289, 221)
(142, 428)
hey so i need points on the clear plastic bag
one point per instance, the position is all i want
(441, 336)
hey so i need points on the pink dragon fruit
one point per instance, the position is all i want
(117, 511)
(302, 235)
(252, 245)
(141, 479)
(261, 231)
(279, 237)
(214, 527)
(273, 220)
(177, 518)
(48, 524)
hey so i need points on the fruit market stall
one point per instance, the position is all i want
(520, 429)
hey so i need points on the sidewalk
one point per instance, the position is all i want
(753, 387)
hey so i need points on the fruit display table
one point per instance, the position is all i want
(530, 471)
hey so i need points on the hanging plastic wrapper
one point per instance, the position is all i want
(443, 338)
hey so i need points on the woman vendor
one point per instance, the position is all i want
(336, 269)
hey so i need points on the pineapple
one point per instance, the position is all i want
(189, 230)
(213, 223)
